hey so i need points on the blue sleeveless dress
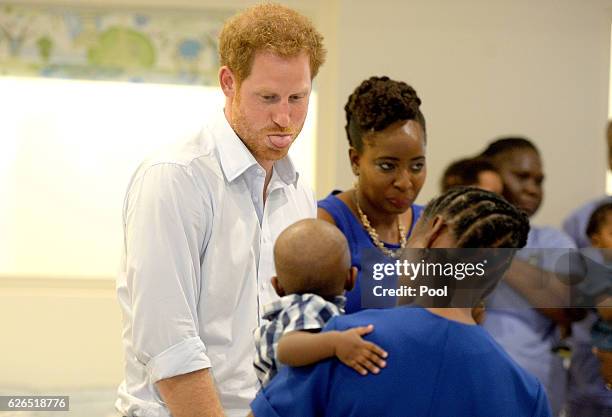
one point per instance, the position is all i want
(358, 239)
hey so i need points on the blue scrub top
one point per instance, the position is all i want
(436, 368)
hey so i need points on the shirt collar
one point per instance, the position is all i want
(235, 157)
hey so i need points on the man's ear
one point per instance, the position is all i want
(278, 287)
(228, 82)
(354, 159)
(350, 279)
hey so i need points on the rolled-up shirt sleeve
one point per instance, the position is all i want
(165, 220)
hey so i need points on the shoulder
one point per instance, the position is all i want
(323, 214)
(331, 200)
(304, 195)
(417, 210)
(549, 237)
(587, 208)
(382, 317)
(529, 390)
(576, 223)
(335, 209)
(186, 159)
(191, 146)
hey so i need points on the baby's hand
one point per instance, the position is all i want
(359, 354)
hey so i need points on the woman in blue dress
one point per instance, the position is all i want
(387, 137)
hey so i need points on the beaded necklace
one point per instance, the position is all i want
(374, 234)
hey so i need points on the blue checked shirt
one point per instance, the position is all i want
(292, 312)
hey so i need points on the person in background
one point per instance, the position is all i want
(590, 381)
(311, 294)
(477, 172)
(387, 137)
(200, 219)
(576, 223)
(528, 334)
(440, 363)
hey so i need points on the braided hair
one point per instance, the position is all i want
(480, 219)
(377, 103)
(507, 144)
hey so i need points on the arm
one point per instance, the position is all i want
(191, 395)
(548, 299)
(300, 348)
(165, 228)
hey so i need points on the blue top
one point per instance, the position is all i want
(587, 390)
(436, 368)
(526, 334)
(358, 240)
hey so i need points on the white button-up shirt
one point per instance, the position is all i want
(197, 264)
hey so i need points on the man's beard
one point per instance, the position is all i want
(257, 140)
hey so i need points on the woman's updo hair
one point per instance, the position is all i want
(377, 103)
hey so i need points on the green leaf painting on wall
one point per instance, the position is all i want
(162, 46)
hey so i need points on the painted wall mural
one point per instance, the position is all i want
(160, 46)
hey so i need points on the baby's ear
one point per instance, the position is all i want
(277, 287)
(350, 279)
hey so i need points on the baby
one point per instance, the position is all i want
(313, 269)
(599, 231)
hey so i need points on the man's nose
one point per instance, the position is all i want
(281, 114)
(532, 187)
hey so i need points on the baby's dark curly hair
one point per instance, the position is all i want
(377, 103)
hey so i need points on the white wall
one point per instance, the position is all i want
(59, 334)
(484, 69)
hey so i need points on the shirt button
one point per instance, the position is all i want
(260, 172)
(256, 199)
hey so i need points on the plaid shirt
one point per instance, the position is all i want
(292, 312)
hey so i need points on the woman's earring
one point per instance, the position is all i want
(356, 183)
